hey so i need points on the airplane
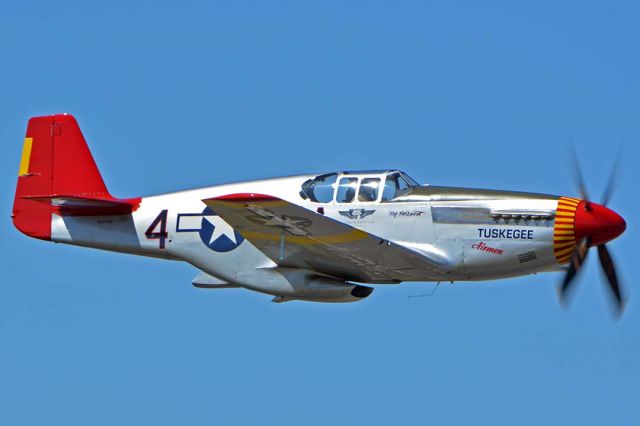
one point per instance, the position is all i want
(316, 237)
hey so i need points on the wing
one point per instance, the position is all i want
(296, 237)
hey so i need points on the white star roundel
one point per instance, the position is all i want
(218, 235)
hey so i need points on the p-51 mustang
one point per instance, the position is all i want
(314, 237)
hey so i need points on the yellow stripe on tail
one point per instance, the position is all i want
(26, 157)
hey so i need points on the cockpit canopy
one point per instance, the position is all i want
(361, 187)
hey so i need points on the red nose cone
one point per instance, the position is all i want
(598, 223)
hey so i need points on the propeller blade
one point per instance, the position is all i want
(612, 278)
(577, 173)
(611, 184)
(579, 255)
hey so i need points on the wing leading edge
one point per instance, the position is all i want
(296, 237)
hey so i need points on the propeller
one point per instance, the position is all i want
(594, 226)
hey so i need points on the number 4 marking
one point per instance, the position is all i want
(153, 234)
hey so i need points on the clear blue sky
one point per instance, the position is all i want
(179, 95)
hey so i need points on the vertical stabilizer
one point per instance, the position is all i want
(57, 175)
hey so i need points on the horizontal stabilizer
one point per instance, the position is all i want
(70, 205)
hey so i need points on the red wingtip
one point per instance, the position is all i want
(244, 197)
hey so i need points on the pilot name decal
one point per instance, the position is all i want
(405, 213)
(515, 234)
(356, 213)
(483, 247)
(214, 232)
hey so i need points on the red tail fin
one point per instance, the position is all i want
(56, 170)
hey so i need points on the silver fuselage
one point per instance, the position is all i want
(476, 234)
